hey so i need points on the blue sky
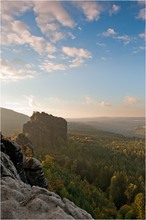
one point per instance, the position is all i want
(73, 58)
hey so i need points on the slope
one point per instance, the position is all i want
(11, 121)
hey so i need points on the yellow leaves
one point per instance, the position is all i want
(49, 160)
(140, 204)
(28, 152)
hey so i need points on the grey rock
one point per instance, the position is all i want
(13, 150)
(34, 172)
(21, 201)
(75, 211)
(7, 167)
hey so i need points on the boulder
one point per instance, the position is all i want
(34, 172)
(29, 168)
(13, 150)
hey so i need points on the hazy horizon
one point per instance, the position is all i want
(82, 118)
(73, 59)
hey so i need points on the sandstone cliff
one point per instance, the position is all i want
(45, 130)
(21, 201)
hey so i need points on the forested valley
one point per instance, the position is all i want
(101, 172)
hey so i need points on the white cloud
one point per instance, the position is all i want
(129, 100)
(51, 11)
(76, 62)
(103, 58)
(48, 66)
(50, 15)
(142, 35)
(71, 35)
(75, 52)
(79, 28)
(51, 56)
(17, 32)
(115, 9)
(101, 44)
(11, 8)
(40, 45)
(91, 9)
(105, 104)
(112, 33)
(109, 32)
(20, 63)
(142, 14)
(10, 73)
(142, 47)
(139, 49)
(57, 36)
(77, 56)
(32, 101)
(125, 38)
(90, 101)
(14, 32)
(50, 48)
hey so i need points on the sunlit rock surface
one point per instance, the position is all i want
(21, 201)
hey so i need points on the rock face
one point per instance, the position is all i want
(45, 130)
(21, 201)
(28, 168)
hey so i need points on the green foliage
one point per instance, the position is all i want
(103, 174)
(118, 188)
(124, 210)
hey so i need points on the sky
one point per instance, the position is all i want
(73, 59)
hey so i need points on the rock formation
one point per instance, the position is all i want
(24, 143)
(45, 130)
(21, 201)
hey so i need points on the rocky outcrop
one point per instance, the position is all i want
(45, 130)
(24, 143)
(21, 201)
(28, 168)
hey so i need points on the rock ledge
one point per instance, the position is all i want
(21, 201)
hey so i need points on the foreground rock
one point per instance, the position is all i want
(21, 201)
(45, 130)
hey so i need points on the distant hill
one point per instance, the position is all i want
(128, 126)
(11, 121)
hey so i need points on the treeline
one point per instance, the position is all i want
(103, 174)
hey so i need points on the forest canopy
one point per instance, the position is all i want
(101, 172)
